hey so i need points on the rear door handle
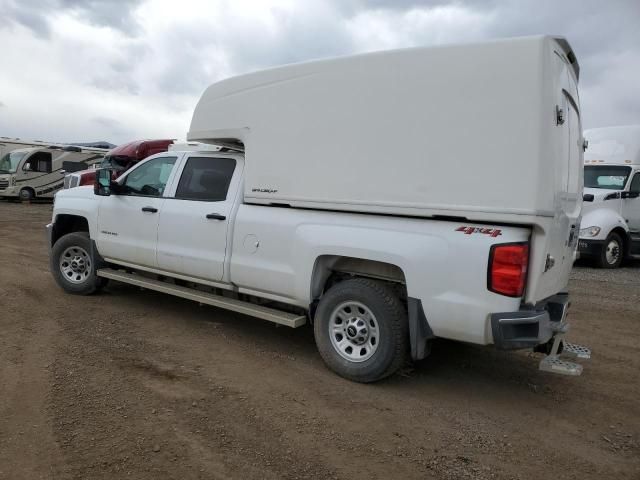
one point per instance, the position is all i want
(216, 216)
(150, 209)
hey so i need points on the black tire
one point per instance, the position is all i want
(84, 283)
(392, 329)
(605, 259)
(27, 194)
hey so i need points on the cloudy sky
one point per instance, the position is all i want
(81, 70)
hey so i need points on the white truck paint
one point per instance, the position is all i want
(611, 213)
(362, 238)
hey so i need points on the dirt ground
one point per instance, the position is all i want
(136, 384)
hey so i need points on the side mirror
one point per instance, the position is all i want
(63, 172)
(27, 166)
(630, 194)
(103, 185)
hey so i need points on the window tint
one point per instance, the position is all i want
(635, 183)
(150, 178)
(206, 178)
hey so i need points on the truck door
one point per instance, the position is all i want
(128, 222)
(194, 223)
(631, 206)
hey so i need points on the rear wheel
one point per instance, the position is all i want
(612, 252)
(72, 266)
(361, 330)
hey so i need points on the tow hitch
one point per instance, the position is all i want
(555, 361)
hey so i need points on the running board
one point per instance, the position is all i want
(246, 308)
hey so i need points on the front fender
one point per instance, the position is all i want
(81, 202)
(605, 218)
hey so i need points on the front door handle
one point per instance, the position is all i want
(150, 209)
(216, 216)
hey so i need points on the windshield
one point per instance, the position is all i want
(606, 176)
(9, 163)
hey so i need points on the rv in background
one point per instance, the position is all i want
(37, 172)
(610, 229)
(119, 160)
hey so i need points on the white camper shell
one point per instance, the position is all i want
(468, 131)
(611, 215)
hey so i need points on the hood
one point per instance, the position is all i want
(612, 201)
(599, 194)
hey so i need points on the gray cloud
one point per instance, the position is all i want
(36, 14)
(165, 61)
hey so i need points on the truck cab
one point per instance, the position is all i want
(610, 229)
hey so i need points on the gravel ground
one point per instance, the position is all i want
(135, 384)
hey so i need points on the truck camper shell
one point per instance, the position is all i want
(466, 130)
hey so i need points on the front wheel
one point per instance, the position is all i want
(612, 252)
(361, 330)
(72, 266)
(27, 194)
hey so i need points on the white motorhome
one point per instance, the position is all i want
(38, 172)
(388, 198)
(611, 213)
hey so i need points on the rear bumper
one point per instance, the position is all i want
(529, 328)
(589, 248)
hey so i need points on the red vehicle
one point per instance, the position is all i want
(120, 159)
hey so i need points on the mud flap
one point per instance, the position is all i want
(419, 330)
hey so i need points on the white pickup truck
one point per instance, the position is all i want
(388, 198)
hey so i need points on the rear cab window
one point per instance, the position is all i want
(206, 179)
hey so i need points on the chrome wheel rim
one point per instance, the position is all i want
(75, 264)
(612, 252)
(354, 331)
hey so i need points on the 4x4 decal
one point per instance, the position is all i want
(492, 232)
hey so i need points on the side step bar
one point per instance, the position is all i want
(246, 308)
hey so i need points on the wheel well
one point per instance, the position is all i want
(31, 189)
(67, 224)
(331, 269)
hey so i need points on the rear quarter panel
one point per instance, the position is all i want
(446, 269)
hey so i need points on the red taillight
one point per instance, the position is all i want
(508, 268)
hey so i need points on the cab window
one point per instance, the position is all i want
(206, 179)
(150, 178)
